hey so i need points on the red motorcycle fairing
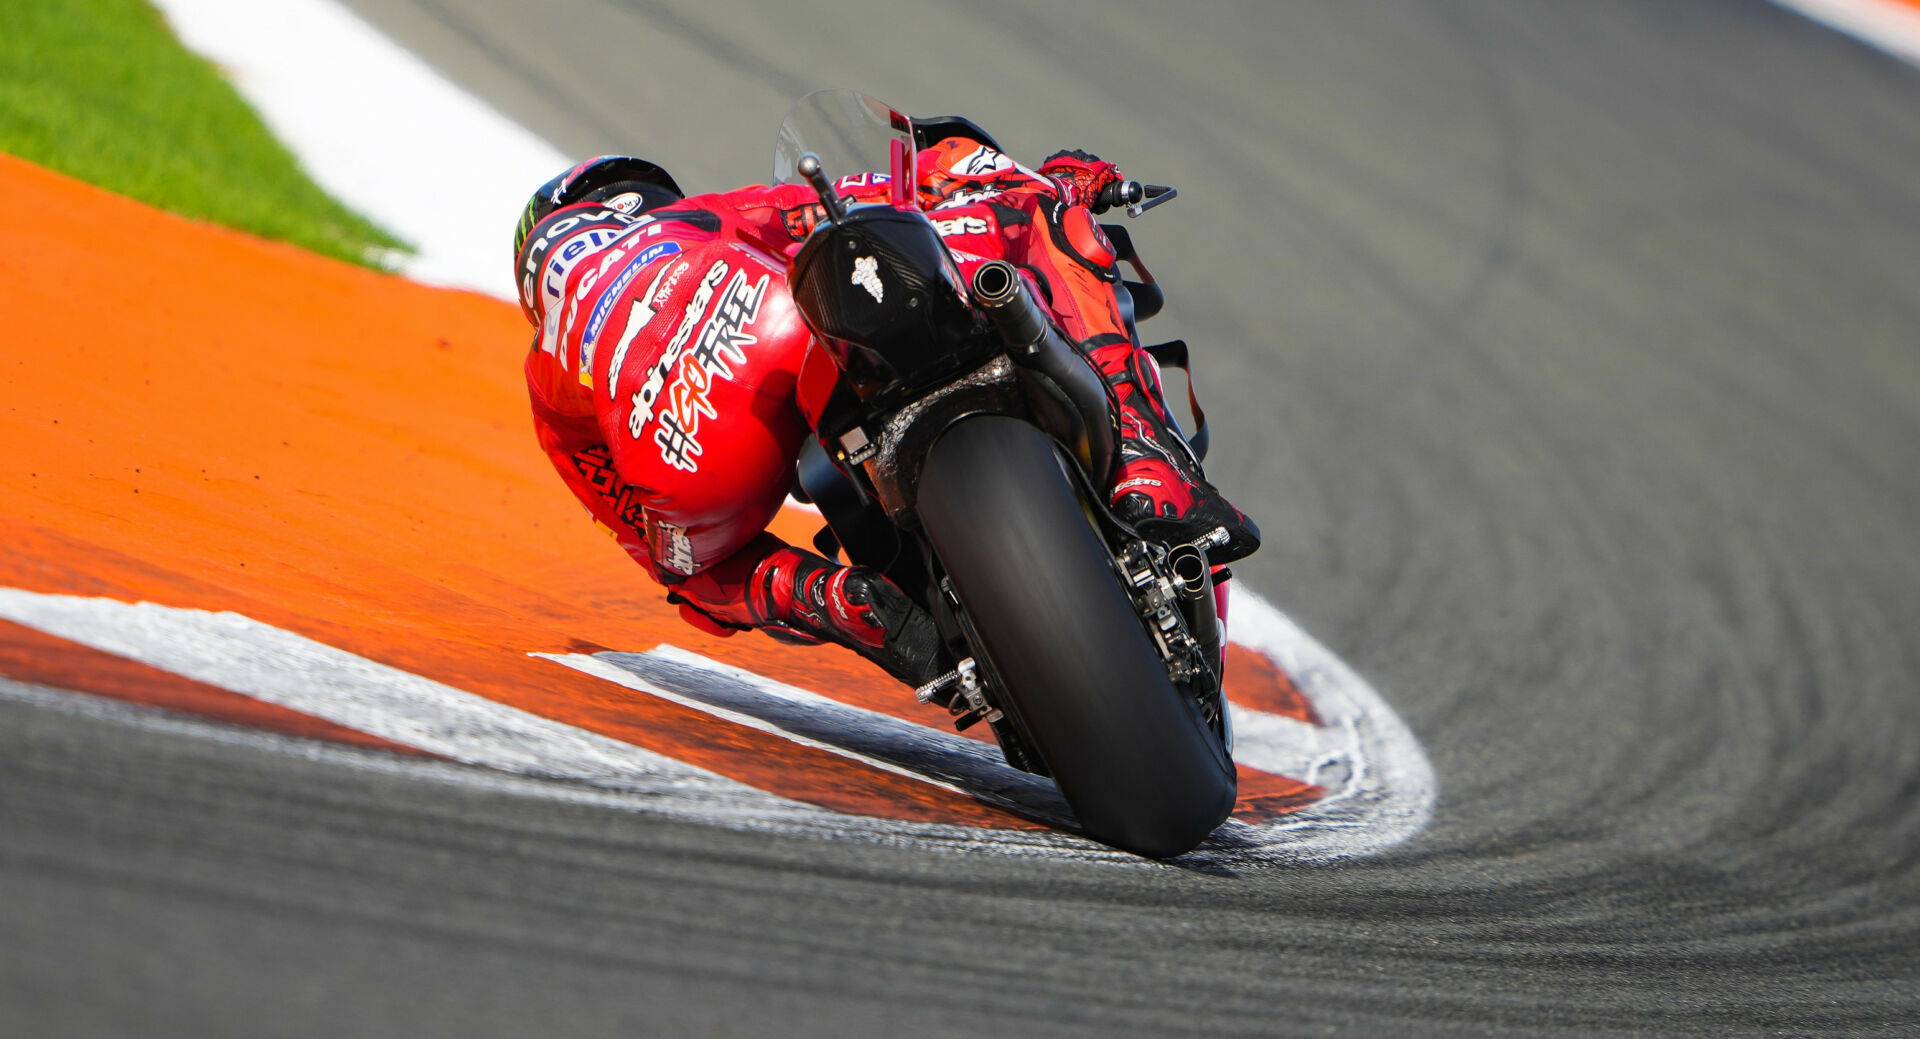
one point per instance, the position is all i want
(696, 368)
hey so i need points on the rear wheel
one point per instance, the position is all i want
(1131, 754)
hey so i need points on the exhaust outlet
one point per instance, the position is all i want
(1189, 566)
(998, 291)
(993, 283)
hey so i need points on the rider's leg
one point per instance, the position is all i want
(1159, 485)
(796, 596)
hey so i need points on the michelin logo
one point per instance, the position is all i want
(604, 308)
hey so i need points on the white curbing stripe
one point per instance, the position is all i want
(1382, 798)
(750, 701)
(380, 129)
(934, 753)
(1380, 787)
(242, 655)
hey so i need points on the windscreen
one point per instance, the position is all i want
(849, 131)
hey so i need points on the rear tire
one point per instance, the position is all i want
(1132, 755)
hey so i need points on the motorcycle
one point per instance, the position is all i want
(963, 446)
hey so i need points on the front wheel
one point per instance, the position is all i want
(1131, 754)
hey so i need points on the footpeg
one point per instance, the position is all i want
(960, 692)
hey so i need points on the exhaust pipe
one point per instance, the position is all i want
(998, 291)
(1034, 343)
(1189, 566)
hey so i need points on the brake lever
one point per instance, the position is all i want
(1156, 194)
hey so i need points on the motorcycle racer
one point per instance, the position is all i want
(1043, 222)
(663, 372)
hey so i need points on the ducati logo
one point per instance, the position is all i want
(866, 274)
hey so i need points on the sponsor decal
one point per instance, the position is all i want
(649, 391)
(553, 280)
(982, 161)
(801, 220)
(639, 315)
(967, 198)
(862, 180)
(610, 255)
(595, 465)
(625, 203)
(664, 284)
(604, 225)
(550, 333)
(866, 274)
(964, 225)
(722, 345)
(597, 319)
(1138, 481)
(672, 548)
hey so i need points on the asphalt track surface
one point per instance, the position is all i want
(1569, 356)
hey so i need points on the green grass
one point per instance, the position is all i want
(102, 90)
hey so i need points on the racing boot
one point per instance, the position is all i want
(1160, 488)
(796, 596)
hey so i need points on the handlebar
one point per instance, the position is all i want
(1137, 197)
(1119, 193)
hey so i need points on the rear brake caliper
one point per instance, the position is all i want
(1150, 581)
(1161, 580)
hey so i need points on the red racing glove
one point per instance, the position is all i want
(1083, 174)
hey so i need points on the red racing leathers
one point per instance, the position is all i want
(663, 380)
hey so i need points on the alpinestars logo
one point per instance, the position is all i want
(982, 161)
(722, 345)
(866, 274)
(969, 197)
(965, 225)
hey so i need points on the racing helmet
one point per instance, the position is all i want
(621, 183)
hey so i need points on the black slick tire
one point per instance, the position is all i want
(1131, 754)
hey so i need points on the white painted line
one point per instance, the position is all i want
(939, 758)
(380, 129)
(1889, 25)
(1380, 787)
(279, 667)
(807, 821)
(276, 666)
(931, 751)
